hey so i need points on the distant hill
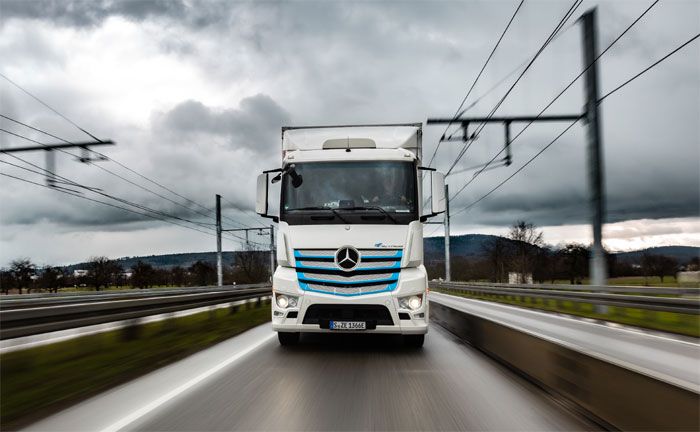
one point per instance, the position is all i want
(168, 261)
(466, 246)
(682, 254)
(472, 246)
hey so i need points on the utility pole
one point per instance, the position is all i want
(591, 116)
(448, 273)
(273, 258)
(219, 263)
(597, 264)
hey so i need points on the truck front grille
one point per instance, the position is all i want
(322, 314)
(378, 271)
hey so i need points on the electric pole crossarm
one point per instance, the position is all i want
(514, 119)
(49, 147)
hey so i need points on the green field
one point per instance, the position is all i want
(654, 281)
(39, 381)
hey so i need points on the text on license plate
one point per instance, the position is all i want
(348, 325)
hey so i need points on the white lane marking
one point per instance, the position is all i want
(114, 427)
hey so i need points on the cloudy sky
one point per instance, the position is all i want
(194, 93)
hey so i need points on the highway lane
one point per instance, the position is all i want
(346, 383)
(362, 383)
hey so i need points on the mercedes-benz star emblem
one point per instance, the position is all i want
(347, 258)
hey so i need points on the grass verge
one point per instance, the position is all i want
(684, 324)
(39, 381)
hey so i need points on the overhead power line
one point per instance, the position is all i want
(211, 211)
(162, 215)
(112, 172)
(647, 69)
(104, 203)
(625, 83)
(469, 92)
(49, 107)
(567, 87)
(545, 44)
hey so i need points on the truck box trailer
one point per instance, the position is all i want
(350, 233)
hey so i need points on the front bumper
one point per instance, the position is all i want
(412, 281)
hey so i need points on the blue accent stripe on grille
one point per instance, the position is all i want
(390, 287)
(397, 254)
(396, 265)
(302, 277)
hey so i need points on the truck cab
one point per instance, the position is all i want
(350, 233)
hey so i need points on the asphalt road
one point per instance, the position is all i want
(328, 383)
(363, 383)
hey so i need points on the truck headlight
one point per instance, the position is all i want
(411, 302)
(286, 301)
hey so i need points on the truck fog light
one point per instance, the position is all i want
(411, 302)
(282, 301)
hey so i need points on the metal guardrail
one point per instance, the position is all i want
(16, 301)
(24, 317)
(610, 393)
(661, 299)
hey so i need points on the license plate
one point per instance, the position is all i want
(348, 325)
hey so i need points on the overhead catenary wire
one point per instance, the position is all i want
(545, 44)
(104, 203)
(471, 88)
(255, 221)
(73, 183)
(567, 87)
(647, 69)
(97, 139)
(235, 222)
(49, 107)
(625, 83)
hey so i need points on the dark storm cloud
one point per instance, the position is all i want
(89, 13)
(254, 125)
(350, 62)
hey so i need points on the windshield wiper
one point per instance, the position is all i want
(377, 208)
(335, 212)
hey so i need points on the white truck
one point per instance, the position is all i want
(350, 235)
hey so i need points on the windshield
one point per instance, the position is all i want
(365, 192)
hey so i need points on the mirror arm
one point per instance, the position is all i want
(275, 219)
(424, 218)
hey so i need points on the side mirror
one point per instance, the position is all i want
(437, 184)
(261, 195)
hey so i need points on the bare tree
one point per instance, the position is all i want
(102, 272)
(51, 278)
(22, 270)
(251, 266)
(575, 259)
(204, 274)
(526, 241)
(7, 281)
(658, 265)
(142, 275)
(497, 252)
(178, 275)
